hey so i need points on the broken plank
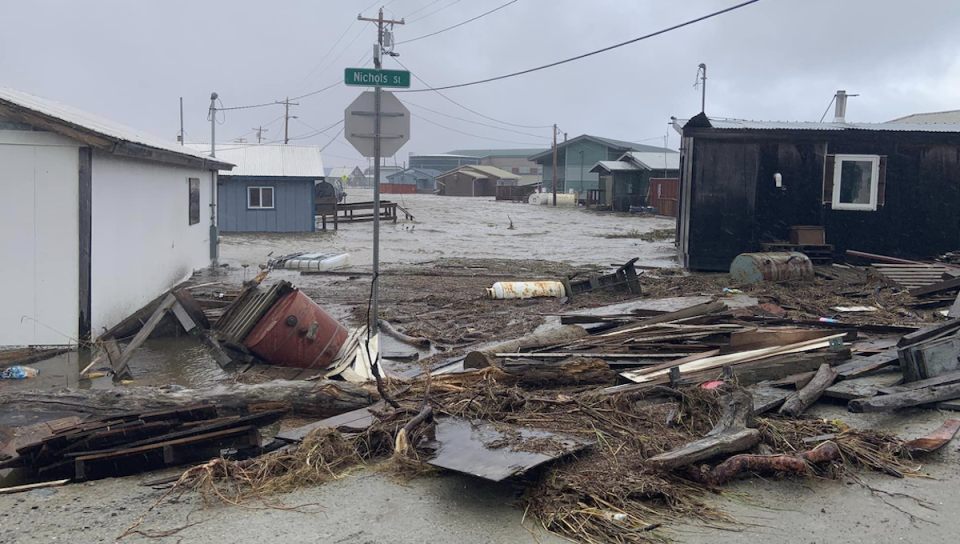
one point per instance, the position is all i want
(767, 398)
(943, 379)
(864, 365)
(797, 381)
(926, 395)
(355, 421)
(954, 310)
(144, 333)
(804, 398)
(867, 386)
(30, 487)
(936, 287)
(937, 439)
(952, 405)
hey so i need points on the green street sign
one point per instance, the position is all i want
(368, 77)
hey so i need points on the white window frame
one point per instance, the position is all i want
(874, 183)
(273, 197)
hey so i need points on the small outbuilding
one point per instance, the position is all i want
(886, 188)
(625, 182)
(350, 176)
(411, 180)
(96, 220)
(271, 189)
(475, 180)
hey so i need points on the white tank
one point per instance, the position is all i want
(525, 289)
(318, 261)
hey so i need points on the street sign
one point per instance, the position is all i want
(359, 118)
(368, 77)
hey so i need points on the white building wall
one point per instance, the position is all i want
(142, 242)
(39, 223)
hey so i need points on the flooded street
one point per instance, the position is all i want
(474, 228)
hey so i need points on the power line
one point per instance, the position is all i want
(334, 139)
(436, 11)
(458, 24)
(317, 131)
(475, 122)
(417, 11)
(306, 77)
(464, 107)
(472, 135)
(585, 55)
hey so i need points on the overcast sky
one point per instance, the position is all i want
(130, 61)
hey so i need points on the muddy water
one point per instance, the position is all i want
(461, 227)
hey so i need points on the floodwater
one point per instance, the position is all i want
(468, 227)
(444, 227)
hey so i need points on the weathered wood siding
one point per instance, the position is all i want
(293, 205)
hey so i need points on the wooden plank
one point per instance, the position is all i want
(865, 365)
(355, 421)
(864, 387)
(943, 379)
(183, 317)
(30, 487)
(767, 398)
(143, 334)
(797, 381)
(936, 287)
(763, 338)
(952, 405)
(955, 309)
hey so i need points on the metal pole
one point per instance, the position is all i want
(555, 164)
(286, 121)
(375, 287)
(213, 124)
(703, 99)
(181, 121)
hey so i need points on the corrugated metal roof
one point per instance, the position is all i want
(744, 124)
(91, 123)
(608, 142)
(483, 153)
(655, 161)
(613, 166)
(275, 160)
(339, 171)
(951, 117)
(481, 171)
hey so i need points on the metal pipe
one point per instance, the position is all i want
(213, 124)
(181, 121)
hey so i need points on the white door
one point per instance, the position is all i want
(38, 240)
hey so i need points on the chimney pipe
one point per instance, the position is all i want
(841, 108)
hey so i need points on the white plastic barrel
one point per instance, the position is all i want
(319, 261)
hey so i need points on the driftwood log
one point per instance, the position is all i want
(573, 371)
(560, 335)
(322, 398)
(926, 395)
(731, 435)
(804, 398)
(414, 341)
(742, 464)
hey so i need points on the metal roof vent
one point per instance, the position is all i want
(841, 108)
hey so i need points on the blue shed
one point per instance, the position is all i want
(424, 178)
(270, 190)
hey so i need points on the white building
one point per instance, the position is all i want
(97, 220)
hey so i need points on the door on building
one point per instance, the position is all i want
(39, 217)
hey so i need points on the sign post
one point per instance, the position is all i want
(388, 131)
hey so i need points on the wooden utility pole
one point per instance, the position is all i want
(286, 119)
(554, 164)
(260, 130)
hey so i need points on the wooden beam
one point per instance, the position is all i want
(144, 333)
(936, 287)
(85, 228)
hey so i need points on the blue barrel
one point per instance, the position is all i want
(757, 267)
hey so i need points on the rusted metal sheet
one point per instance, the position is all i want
(937, 439)
(525, 289)
(297, 332)
(253, 303)
(757, 267)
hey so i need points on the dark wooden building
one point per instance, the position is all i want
(885, 188)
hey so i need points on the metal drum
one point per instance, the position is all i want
(757, 267)
(297, 332)
(525, 289)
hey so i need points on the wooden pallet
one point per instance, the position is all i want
(912, 276)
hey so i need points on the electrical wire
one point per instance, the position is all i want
(434, 12)
(317, 131)
(458, 24)
(310, 73)
(419, 10)
(334, 139)
(464, 107)
(472, 135)
(585, 55)
(475, 122)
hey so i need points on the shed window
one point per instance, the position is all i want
(194, 188)
(260, 198)
(854, 182)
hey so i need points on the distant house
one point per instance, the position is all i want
(411, 180)
(577, 156)
(271, 189)
(351, 176)
(384, 172)
(887, 188)
(96, 220)
(625, 181)
(515, 161)
(474, 180)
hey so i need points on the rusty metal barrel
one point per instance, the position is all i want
(297, 332)
(757, 267)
